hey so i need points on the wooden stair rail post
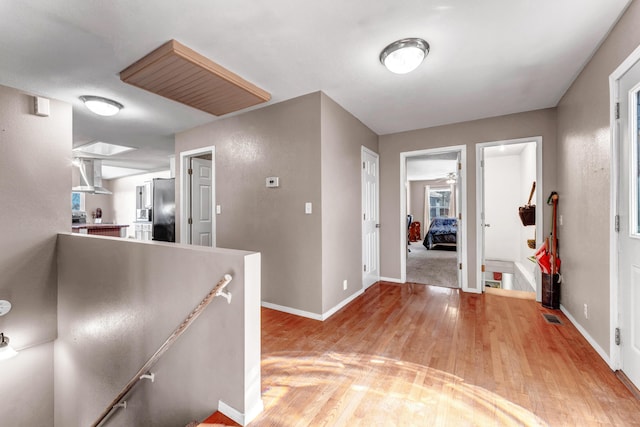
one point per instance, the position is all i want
(216, 291)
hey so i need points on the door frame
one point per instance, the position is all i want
(480, 203)
(615, 359)
(185, 195)
(362, 187)
(462, 225)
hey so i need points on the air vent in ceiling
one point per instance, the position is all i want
(183, 75)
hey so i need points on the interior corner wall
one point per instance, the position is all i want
(35, 188)
(342, 136)
(280, 140)
(502, 197)
(528, 164)
(512, 126)
(584, 180)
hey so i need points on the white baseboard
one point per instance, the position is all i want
(290, 310)
(391, 279)
(239, 417)
(308, 314)
(230, 412)
(472, 290)
(588, 337)
(344, 302)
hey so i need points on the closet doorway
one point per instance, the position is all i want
(432, 211)
(507, 172)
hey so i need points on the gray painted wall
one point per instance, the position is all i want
(313, 145)
(584, 178)
(342, 138)
(279, 140)
(120, 299)
(512, 126)
(35, 182)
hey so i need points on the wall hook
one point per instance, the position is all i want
(222, 293)
(122, 405)
(150, 376)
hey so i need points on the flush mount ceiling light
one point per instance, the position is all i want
(101, 106)
(404, 55)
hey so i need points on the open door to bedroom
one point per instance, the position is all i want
(433, 196)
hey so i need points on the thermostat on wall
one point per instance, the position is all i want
(273, 181)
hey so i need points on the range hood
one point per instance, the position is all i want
(90, 176)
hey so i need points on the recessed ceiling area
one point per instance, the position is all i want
(485, 59)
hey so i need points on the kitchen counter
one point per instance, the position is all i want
(113, 230)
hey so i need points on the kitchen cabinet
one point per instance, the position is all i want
(143, 230)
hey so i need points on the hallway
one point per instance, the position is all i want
(403, 355)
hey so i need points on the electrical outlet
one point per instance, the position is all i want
(344, 284)
(586, 311)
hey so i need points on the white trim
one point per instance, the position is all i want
(392, 280)
(588, 337)
(290, 310)
(309, 315)
(239, 417)
(479, 202)
(184, 191)
(614, 281)
(344, 302)
(462, 225)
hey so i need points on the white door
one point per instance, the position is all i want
(459, 248)
(201, 203)
(629, 235)
(483, 225)
(370, 219)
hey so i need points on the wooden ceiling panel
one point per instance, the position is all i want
(183, 75)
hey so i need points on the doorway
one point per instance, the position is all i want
(509, 175)
(625, 232)
(197, 197)
(370, 218)
(433, 210)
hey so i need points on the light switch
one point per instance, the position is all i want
(218, 209)
(308, 208)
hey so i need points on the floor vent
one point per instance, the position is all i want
(551, 318)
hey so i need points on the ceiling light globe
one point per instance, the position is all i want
(101, 106)
(405, 55)
(6, 351)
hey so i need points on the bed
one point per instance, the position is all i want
(442, 231)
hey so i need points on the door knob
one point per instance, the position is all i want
(487, 225)
(377, 225)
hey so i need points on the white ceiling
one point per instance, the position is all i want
(487, 58)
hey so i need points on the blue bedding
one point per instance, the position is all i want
(441, 231)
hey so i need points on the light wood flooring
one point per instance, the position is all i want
(415, 355)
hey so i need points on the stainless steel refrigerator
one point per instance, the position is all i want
(164, 209)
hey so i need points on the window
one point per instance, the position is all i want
(77, 201)
(439, 203)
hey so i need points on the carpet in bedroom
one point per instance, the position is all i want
(432, 267)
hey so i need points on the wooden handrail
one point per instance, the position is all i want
(217, 290)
